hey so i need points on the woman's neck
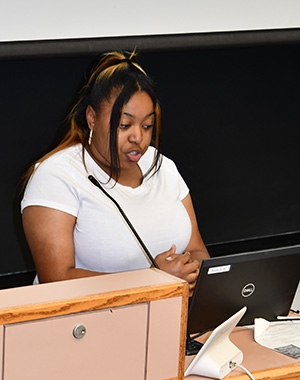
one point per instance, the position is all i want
(131, 177)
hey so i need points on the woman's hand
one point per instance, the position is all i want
(179, 265)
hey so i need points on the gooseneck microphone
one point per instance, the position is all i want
(140, 241)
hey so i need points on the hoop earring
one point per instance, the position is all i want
(90, 137)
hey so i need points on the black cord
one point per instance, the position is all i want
(295, 311)
(202, 333)
(145, 249)
(192, 347)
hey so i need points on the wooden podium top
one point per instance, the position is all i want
(138, 310)
(85, 294)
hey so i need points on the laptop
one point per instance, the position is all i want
(264, 281)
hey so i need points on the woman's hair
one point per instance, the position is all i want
(118, 73)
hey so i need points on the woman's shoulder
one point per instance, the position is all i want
(149, 156)
(166, 163)
(64, 165)
(168, 174)
(55, 182)
(63, 159)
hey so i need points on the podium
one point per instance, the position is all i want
(129, 325)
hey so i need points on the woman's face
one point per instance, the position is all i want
(134, 132)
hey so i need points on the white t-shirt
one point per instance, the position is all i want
(103, 241)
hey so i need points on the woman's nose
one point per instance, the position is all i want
(136, 134)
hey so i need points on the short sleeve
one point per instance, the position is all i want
(172, 170)
(52, 185)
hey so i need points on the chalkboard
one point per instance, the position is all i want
(231, 122)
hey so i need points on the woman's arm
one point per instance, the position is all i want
(49, 233)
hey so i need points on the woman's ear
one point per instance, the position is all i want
(90, 115)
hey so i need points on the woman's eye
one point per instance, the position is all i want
(148, 126)
(124, 126)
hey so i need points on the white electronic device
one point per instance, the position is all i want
(213, 360)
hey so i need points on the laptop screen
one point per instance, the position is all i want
(264, 281)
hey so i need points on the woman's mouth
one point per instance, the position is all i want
(134, 155)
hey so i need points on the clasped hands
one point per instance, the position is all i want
(179, 265)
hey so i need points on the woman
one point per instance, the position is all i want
(72, 228)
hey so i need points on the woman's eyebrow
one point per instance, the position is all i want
(132, 116)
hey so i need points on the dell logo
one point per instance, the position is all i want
(248, 290)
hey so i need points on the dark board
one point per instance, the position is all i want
(231, 123)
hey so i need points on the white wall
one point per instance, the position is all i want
(22, 20)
